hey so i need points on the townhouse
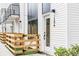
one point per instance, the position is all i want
(56, 23)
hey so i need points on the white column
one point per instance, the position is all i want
(23, 18)
(26, 20)
(0, 27)
(40, 27)
(22, 7)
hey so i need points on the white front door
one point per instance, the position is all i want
(47, 33)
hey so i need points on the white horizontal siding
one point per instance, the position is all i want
(73, 22)
(59, 32)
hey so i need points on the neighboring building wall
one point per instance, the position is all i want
(3, 27)
(8, 27)
(4, 5)
(73, 23)
(16, 28)
(22, 24)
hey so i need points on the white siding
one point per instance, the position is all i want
(59, 32)
(73, 22)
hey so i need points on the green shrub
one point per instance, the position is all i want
(72, 51)
(61, 51)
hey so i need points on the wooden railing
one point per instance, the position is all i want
(31, 43)
(3, 37)
(15, 43)
(19, 43)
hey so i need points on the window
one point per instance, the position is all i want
(45, 7)
(33, 27)
(48, 32)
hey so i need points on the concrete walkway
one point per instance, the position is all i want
(5, 52)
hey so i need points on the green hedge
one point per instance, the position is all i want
(72, 51)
